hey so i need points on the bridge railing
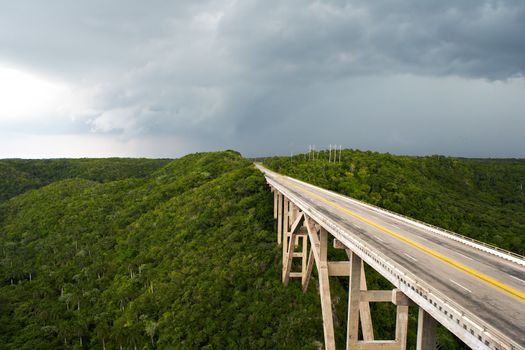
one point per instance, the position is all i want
(472, 330)
(519, 259)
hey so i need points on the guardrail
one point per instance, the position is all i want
(516, 258)
(511, 256)
(468, 327)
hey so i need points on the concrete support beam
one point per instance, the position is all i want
(359, 296)
(358, 308)
(377, 345)
(304, 261)
(426, 331)
(319, 245)
(400, 299)
(296, 211)
(280, 220)
(324, 288)
(401, 326)
(308, 272)
(297, 225)
(339, 268)
(287, 263)
(286, 216)
(364, 306)
(297, 231)
(288, 249)
(275, 199)
(354, 296)
(376, 295)
(364, 310)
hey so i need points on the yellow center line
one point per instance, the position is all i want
(472, 272)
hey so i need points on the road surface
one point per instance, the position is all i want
(490, 287)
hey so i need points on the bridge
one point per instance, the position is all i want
(475, 290)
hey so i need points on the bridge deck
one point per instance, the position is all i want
(490, 287)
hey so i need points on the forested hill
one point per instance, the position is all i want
(181, 257)
(20, 175)
(480, 198)
(158, 254)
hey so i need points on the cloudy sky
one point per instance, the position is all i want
(165, 78)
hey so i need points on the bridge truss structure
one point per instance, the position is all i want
(304, 232)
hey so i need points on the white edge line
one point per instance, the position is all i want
(410, 256)
(459, 285)
(466, 257)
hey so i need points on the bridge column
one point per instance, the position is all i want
(324, 290)
(426, 331)
(359, 310)
(364, 306)
(286, 218)
(283, 235)
(279, 217)
(352, 325)
(401, 326)
(364, 310)
(295, 211)
(307, 273)
(297, 230)
(304, 257)
(319, 248)
(275, 195)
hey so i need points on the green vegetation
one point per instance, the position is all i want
(184, 257)
(20, 175)
(159, 254)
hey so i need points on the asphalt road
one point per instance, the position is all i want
(499, 301)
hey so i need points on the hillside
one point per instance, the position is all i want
(181, 258)
(158, 254)
(20, 175)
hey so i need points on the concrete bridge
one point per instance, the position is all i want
(475, 290)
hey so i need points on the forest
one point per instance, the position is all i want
(175, 254)
(20, 175)
(181, 254)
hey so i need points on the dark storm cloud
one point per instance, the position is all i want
(241, 73)
(470, 38)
